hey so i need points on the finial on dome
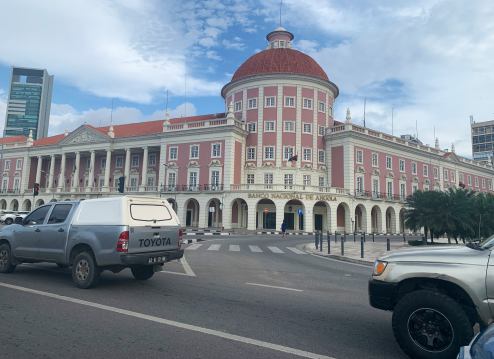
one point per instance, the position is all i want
(66, 133)
(453, 147)
(436, 144)
(110, 132)
(279, 38)
(348, 116)
(30, 139)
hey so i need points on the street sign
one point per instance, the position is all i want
(300, 212)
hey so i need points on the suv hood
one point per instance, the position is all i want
(440, 254)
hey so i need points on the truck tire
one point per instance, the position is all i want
(430, 325)
(8, 221)
(142, 272)
(6, 265)
(85, 272)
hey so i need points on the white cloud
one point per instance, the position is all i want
(128, 50)
(65, 117)
(440, 52)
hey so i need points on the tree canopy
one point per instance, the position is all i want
(456, 213)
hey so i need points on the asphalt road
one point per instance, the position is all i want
(235, 298)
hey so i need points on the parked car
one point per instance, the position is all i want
(20, 216)
(437, 295)
(8, 217)
(140, 233)
(481, 347)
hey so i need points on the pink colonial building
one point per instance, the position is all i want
(236, 170)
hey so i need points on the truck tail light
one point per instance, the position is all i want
(180, 237)
(123, 242)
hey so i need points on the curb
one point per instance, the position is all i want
(339, 258)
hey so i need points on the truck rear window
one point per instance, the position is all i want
(149, 212)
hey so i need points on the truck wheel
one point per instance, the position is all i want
(6, 265)
(9, 221)
(142, 272)
(85, 272)
(430, 325)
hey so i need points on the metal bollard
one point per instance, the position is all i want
(372, 236)
(404, 239)
(354, 236)
(388, 244)
(329, 243)
(361, 247)
(364, 236)
(320, 241)
(342, 246)
(316, 240)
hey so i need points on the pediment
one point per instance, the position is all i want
(84, 134)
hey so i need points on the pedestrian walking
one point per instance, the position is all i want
(283, 228)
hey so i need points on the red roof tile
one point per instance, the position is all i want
(275, 61)
(132, 129)
(13, 139)
(52, 140)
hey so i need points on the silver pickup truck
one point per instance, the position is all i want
(437, 295)
(140, 233)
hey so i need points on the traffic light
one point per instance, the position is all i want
(36, 189)
(121, 184)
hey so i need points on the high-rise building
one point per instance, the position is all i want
(482, 140)
(28, 107)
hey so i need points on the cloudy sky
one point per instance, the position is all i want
(430, 60)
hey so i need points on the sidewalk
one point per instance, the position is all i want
(372, 250)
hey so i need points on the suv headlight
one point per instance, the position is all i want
(379, 267)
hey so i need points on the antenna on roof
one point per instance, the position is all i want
(365, 101)
(166, 104)
(281, 4)
(392, 120)
(111, 112)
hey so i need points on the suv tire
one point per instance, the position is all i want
(6, 265)
(85, 272)
(430, 325)
(8, 221)
(142, 272)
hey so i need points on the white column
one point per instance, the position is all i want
(309, 217)
(106, 184)
(280, 215)
(144, 169)
(26, 169)
(127, 167)
(61, 176)
(52, 172)
(38, 169)
(75, 180)
(91, 172)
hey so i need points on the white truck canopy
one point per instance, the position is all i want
(125, 210)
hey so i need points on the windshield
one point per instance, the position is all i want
(487, 243)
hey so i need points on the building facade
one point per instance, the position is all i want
(29, 102)
(483, 141)
(275, 155)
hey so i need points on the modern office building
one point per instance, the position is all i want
(482, 141)
(276, 154)
(28, 107)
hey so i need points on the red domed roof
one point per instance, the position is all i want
(281, 60)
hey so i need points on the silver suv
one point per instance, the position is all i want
(437, 295)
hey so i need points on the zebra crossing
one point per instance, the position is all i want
(239, 248)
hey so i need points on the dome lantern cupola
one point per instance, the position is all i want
(279, 38)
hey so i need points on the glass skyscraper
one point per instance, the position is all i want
(482, 140)
(28, 107)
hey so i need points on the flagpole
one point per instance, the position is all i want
(365, 101)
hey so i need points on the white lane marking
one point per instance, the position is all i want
(295, 250)
(273, 286)
(275, 250)
(188, 271)
(172, 323)
(255, 249)
(194, 246)
(234, 248)
(214, 247)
